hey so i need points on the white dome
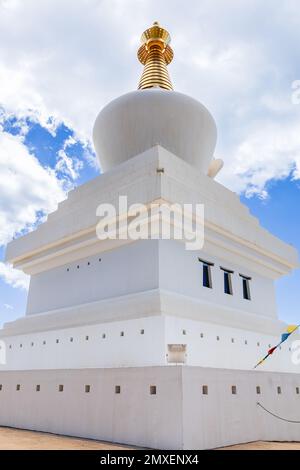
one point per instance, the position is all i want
(137, 121)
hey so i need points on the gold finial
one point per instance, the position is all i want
(155, 54)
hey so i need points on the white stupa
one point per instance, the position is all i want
(144, 342)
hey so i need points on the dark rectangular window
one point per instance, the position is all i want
(227, 283)
(206, 276)
(207, 282)
(246, 287)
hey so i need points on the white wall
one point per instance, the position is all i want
(179, 416)
(210, 345)
(220, 418)
(133, 268)
(146, 265)
(181, 272)
(133, 416)
(133, 349)
(26, 352)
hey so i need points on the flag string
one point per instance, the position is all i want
(290, 330)
(276, 416)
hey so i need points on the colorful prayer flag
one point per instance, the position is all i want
(290, 329)
(284, 337)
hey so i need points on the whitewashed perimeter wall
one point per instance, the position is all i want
(178, 416)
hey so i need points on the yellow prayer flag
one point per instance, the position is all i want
(291, 328)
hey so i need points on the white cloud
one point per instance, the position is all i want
(8, 307)
(69, 166)
(26, 188)
(13, 277)
(27, 191)
(270, 152)
(239, 58)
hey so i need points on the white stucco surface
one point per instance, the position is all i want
(112, 322)
(147, 265)
(139, 120)
(231, 232)
(178, 416)
(136, 331)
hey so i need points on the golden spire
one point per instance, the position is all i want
(155, 54)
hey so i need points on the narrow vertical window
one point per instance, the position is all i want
(206, 277)
(227, 281)
(246, 287)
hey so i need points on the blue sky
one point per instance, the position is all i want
(239, 58)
